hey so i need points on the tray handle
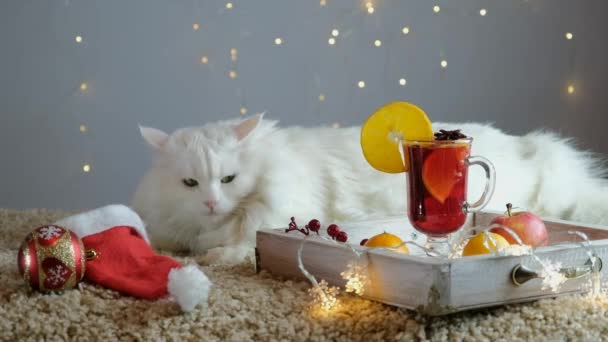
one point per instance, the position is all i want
(522, 274)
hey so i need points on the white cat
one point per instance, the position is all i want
(213, 186)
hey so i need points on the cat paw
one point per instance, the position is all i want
(230, 255)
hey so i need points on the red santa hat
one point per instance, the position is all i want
(119, 257)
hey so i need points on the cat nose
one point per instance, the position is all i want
(210, 204)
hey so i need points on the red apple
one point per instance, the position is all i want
(529, 227)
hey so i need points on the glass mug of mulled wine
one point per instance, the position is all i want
(437, 187)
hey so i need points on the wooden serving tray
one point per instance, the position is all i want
(437, 286)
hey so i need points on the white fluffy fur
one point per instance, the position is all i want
(321, 173)
(189, 286)
(100, 219)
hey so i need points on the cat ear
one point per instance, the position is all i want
(155, 137)
(243, 129)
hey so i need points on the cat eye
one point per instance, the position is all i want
(190, 182)
(228, 179)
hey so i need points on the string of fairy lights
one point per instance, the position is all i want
(334, 37)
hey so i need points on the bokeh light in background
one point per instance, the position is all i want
(169, 65)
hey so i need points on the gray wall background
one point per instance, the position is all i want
(142, 63)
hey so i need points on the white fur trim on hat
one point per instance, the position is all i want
(189, 286)
(100, 219)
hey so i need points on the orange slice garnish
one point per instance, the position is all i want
(386, 127)
(442, 169)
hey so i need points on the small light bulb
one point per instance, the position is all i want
(335, 32)
(195, 26)
(370, 10)
(405, 30)
(436, 9)
(483, 12)
(229, 5)
(204, 60)
(444, 64)
(331, 41)
(78, 39)
(378, 43)
(569, 35)
(321, 97)
(322, 3)
(571, 89)
(361, 84)
(232, 74)
(84, 86)
(243, 110)
(86, 168)
(233, 51)
(83, 128)
(278, 41)
(335, 125)
(402, 81)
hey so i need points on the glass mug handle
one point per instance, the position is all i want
(488, 191)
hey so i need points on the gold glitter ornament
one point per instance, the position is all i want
(51, 258)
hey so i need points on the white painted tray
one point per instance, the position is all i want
(436, 286)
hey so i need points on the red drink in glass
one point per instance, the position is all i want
(437, 185)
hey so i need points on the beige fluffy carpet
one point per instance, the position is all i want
(245, 306)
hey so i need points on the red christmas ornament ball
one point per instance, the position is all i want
(51, 258)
